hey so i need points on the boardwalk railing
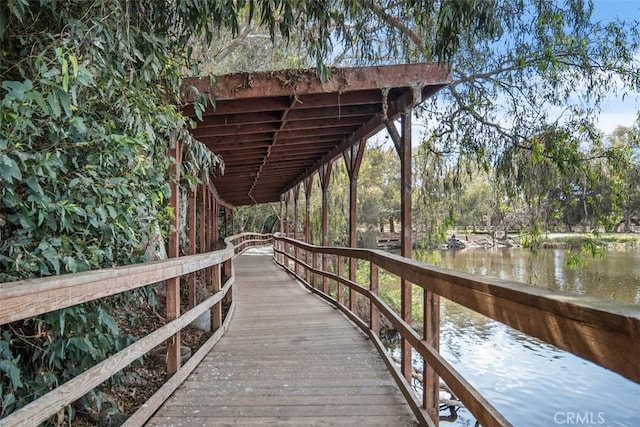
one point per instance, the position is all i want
(28, 298)
(603, 332)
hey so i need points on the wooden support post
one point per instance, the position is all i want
(296, 198)
(192, 246)
(282, 213)
(203, 219)
(202, 227)
(215, 224)
(287, 226)
(406, 234)
(374, 317)
(173, 284)
(216, 310)
(402, 143)
(352, 161)
(210, 221)
(308, 187)
(324, 174)
(226, 221)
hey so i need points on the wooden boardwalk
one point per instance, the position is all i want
(288, 358)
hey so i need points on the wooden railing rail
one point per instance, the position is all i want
(604, 332)
(28, 298)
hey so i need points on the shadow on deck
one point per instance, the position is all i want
(288, 358)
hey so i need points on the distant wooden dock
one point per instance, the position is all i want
(288, 358)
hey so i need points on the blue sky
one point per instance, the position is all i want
(615, 111)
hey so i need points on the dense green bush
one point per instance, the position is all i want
(86, 120)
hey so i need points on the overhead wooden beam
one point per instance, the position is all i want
(263, 84)
(403, 101)
(291, 118)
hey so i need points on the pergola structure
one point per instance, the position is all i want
(276, 130)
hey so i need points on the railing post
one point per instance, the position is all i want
(353, 270)
(173, 284)
(314, 276)
(325, 267)
(192, 247)
(228, 272)
(340, 273)
(431, 328)
(374, 318)
(216, 310)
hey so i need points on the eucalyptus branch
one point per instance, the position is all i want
(395, 22)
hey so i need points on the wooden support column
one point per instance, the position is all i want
(215, 223)
(282, 213)
(324, 173)
(402, 143)
(406, 233)
(173, 284)
(203, 219)
(202, 229)
(296, 198)
(226, 221)
(192, 246)
(308, 188)
(431, 301)
(287, 226)
(352, 161)
(207, 219)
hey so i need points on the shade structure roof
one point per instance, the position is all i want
(274, 129)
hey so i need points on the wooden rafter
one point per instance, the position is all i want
(273, 130)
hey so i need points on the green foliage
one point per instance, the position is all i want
(86, 119)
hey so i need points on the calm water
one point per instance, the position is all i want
(532, 383)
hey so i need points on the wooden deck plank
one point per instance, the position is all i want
(288, 358)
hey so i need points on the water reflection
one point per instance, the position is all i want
(530, 382)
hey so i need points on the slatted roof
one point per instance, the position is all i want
(273, 129)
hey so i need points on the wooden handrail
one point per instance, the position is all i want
(27, 298)
(604, 332)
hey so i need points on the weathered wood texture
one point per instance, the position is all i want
(23, 299)
(604, 332)
(287, 359)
